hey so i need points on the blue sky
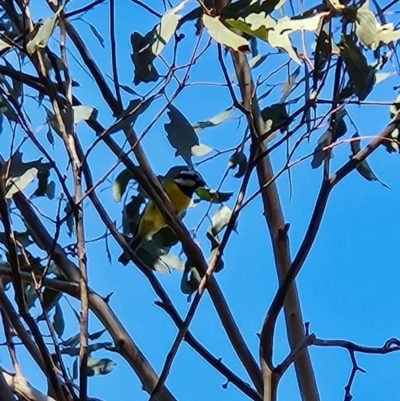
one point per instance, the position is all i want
(349, 285)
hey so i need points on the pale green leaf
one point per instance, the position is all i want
(82, 113)
(201, 150)
(43, 34)
(214, 121)
(220, 220)
(164, 31)
(366, 26)
(223, 35)
(120, 184)
(101, 366)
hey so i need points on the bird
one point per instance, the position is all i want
(180, 191)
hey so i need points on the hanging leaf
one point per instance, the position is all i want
(275, 116)
(362, 75)
(146, 48)
(220, 220)
(363, 167)
(50, 300)
(58, 321)
(21, 173)
(210, 195)
(164, 31)
(42, 36)
(173, 261)
(83, 113)
(142, 58)
(182, 136)
(120, 184)
(101, 366)
(388, 34)
(214, 121)
(276, 32)
(366, 26)
(190, 279)
(238, 160)
(223, 35)
(340, 130)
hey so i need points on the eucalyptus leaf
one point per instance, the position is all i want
(214, 121)
(120, 184)
(96, 366)
(82, 113)
(44, 31)
(58, 321)
(238, 160)
(224, 36)
(181, 135)
(363, 167)
(220, 220)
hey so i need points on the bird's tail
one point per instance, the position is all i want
(124, 257)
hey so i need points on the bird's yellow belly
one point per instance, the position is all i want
(152, 221)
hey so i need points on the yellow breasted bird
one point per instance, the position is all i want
(180, 191)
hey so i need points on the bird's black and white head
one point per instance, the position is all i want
(188, 181)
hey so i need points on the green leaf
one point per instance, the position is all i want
(45, 30)
(21, 173)
(363, 167)
(340, 130)
(101, 366)
(50, 299)
(82, 113)
(220, 220)
(210, 195)
(146, 49)
(43, 179)
(366, 26)
(224, 36)
(214, 121)
(120, 184)
(190, 279)
(182, 136)
(51, 190)
(388, 34)
(238, 160)
(275, 116)
(58, 321)
(361, 75)
(245, 26)
(142, 58)
(163, 32)
(50, 136)
(276, 32)
(173, 261)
